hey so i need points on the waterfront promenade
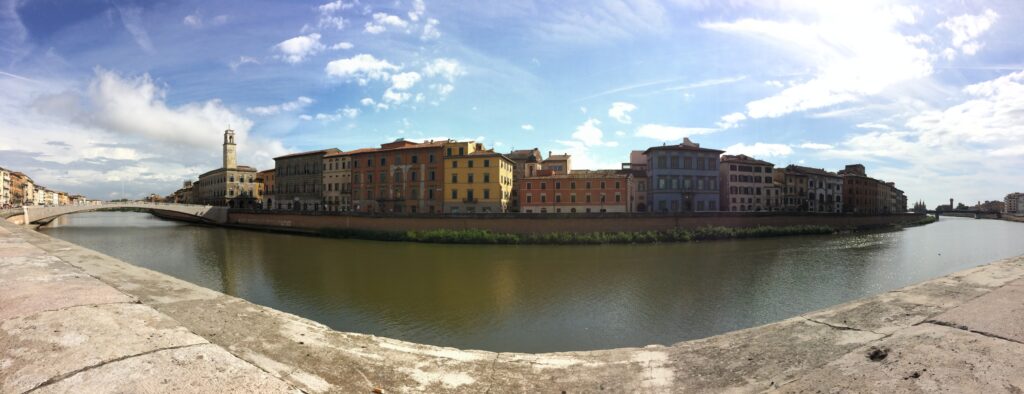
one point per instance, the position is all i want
(72, 319)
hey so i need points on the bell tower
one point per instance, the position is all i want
(229, 149)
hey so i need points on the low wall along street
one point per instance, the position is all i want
(75, 320)
(533, 224)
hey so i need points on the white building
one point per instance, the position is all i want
(5, 187)
(1014, 203)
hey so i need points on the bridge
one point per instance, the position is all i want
(205, 213)
(967, 213)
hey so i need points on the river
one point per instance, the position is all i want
(540, 298)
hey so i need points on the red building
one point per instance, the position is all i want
(399, 177)
(578, 192)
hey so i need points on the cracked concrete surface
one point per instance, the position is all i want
(818, 351)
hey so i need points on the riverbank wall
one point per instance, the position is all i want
(566, 223)
(73, 319)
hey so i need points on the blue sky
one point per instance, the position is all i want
(96, 96)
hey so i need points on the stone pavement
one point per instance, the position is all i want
(60, 306)
(62, 330)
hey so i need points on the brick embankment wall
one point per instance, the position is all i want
(520, 224)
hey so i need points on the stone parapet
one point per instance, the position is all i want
(961, 333)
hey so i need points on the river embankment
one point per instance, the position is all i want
(66, 306)
(566, 228)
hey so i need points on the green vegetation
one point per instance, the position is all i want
(475, 236)
(925, 220)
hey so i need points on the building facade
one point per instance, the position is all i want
(338, 182)
(231, 185)
(747, 184)
(399, 177)
(866, 195)
(639, 184)
(557, 164)
(267, 183)
(298, 180)
(526, 163)
(5, 188)
(1013, 203)
(684, 178)
(582, 191)
(806, 189)
(476, 181)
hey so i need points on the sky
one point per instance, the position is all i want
(120, 98)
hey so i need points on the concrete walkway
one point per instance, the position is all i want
(64, 331)
(72, 319)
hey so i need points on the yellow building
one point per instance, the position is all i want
(476, 180)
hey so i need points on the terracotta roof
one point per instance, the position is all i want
(683, 147)
(312, 152)
(744, 159)
(524, 154)
(270, 171)
(809, 170)
(558, 157)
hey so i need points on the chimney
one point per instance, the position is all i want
(549, 154)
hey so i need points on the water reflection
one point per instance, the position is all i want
(543, 298)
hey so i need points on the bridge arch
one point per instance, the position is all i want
(206, 213)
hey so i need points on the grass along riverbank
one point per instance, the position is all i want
(475, 236)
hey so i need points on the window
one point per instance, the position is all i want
(558, 198)
(462, 151)
(455, 164)
(558, 185)
(529, 198)
(455, 194)
(415, 159)
(430, 158)
(487, 178)
(455, 178)
(448, 152)
(572, 198)
(487, 163)
(470, 165)
(662, 161)
(470, 176)
(432, 175)
(529, 186)
(572, 185)
(543, 185)
(543, 198)
(487, 194)
(383, 161)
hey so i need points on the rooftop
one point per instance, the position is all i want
(312, 152)
(744, 159)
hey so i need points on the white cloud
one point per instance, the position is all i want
(334, 6)
(760, 149)
(774, 84)
(361, 68)
(342, 45)
(367, 101)
(443, 89)
(296, 104)
(381, 22)
(297, 49)
(670, 133)
(393, 97)
(242, 60)
(966, 28)
(193, 20)
(527, 127)
(344, 113)
(870, 125)
(446, 68)
(620, 111)
(405, 80)
(136, 106)
(856, 50)
(328, 17)
(430, 31)
(954, 144)
(731, 120)
(418, 8)
(815, 146)
(590, 135)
